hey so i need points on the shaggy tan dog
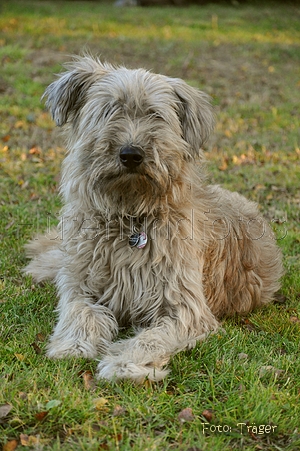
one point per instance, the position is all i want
(143, 241)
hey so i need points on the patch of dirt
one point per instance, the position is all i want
(45, 57)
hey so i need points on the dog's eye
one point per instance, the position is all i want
(109, 109)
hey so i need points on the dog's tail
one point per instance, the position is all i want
(46, 257)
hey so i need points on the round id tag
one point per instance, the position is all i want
(142, 240)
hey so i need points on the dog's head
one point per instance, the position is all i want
(131, 133)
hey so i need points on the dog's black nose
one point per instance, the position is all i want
(131, 156)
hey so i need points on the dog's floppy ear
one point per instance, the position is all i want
(195, 113)
(66, 95)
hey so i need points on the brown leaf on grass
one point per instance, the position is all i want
(280, 298)
(35, 150)
(39, 337)
(29, 440)
(245, 158)
(41, 415)
(23, 395)
(252, 435)
(118, 411)
(10, 446)
(294, 319)
(208, 415)
(36, 348)
(4, 410)
(20, 124)
(186, 415)
(269, 369)
(249, 325)
(89, 381)
(224, 164)
(34, 196)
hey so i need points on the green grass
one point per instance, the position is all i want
(247, 58)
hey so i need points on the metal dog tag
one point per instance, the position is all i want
(134, 239)
(138, 239)
(142, 240)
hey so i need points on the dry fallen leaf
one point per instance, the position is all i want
(99, 403)
(41, 415)
(4, 410)
(20, 357)
(280, 298)
(36, 348)
(249, 325)
(186, 415)
(224, 165)
(29, 440)
(118, 411)
(39, 337)
(89, 381)
(208, 414)
(35, 150)
(10, 446)
(268, 369)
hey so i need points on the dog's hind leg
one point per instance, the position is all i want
(46, 257)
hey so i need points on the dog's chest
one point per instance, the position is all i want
(129, 280)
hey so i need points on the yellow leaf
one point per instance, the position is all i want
(259, 187)
(99, 403)
(19, 124)
(20, 357)
(236, 160)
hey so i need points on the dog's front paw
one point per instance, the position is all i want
(114, 368)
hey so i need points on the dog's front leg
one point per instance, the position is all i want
(84, 328)
(146, 354)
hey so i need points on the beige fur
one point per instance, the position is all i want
(209, 253)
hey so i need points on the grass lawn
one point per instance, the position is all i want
(239, 390)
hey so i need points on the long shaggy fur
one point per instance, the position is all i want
(209, 253)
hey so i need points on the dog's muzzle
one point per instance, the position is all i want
(131, 156)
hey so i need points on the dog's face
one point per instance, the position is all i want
(130, 132)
